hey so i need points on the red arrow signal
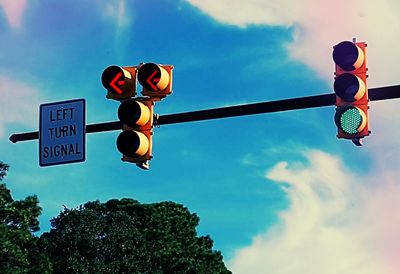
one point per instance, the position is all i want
(115, 81)
(153, 81)
(120, 82)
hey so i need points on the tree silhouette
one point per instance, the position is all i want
(18, 220)
(124, 236)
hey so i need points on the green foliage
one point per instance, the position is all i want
(119, 236)
(124, 236)
(18, 246)
(3, 170)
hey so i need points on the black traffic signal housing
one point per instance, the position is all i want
(350, 86)
(135, 140)
(156, 80)
(120, 82)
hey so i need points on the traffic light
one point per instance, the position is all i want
(136, 113)
(120, 82)
(156, 80)
(351, 90)
(135, 141)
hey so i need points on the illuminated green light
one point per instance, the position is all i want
(350, 120)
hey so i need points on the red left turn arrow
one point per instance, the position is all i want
(153, 81)
(115, 83)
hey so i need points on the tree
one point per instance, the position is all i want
(124, 236)
(18, 220)
(3, 170)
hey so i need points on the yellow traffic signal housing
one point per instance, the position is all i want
(135, 141)
(156, 80)
(351, 90)
(120, 82)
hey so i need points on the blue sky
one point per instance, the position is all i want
(266, 187)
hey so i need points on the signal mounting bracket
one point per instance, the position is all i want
(357, 141)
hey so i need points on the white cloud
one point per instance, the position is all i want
(116, 10)
(18, 104)
(319, 25)
(13, 10)
(120, 17)
(337, 222)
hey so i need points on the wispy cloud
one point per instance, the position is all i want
(18, 103)
(13, 10)
(337, 222)
(117, 11)
(319, 25)
(119, 15)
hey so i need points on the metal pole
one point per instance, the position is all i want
(375, 94)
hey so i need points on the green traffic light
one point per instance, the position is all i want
(350, 119)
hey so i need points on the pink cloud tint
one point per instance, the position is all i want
(13, 10)
(337, 222)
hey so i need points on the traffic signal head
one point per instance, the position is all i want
(351, 90)
(351, 119)
(136, 113)
(135, 141)
(348, 55)
(156, 80)
(349, 87)
(132, 143)
(120, 82)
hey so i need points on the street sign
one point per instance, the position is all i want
(62, 132)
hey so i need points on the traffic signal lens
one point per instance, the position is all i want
(350, 119)
(153, 77)
(120, 82)
(349, 87)
(348, 56)
(132, 143)
(133, 113)
(112, 78)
